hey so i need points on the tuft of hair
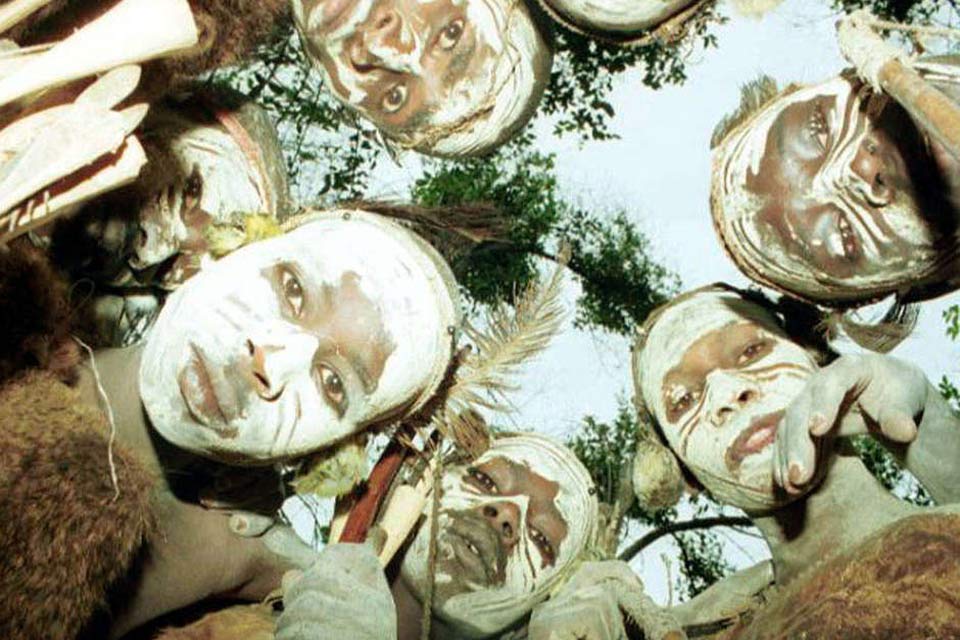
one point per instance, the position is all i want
(754, 95)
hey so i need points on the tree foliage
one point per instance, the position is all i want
(610, 256)
(907, 11)
(330, 155)
(606, 449)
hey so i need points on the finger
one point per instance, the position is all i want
(898, 426)
(797, 454)
(828, 399)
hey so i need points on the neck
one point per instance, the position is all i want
(847, 506)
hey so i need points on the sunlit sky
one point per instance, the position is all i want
(659, 172)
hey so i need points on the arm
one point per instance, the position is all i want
(198, 554)
(344, 594)
(879, 395)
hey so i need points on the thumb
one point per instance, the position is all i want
(898, 426)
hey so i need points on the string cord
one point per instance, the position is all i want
(109, 409)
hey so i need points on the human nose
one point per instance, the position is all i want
(728, 394)
(381, 33)
(504, 517)
(870, 166)
(273, 363)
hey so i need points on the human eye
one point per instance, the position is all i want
(451, 34)
(818, 127)
(332, 385)
(680, 401)
(292, 291)
(752, 352)
(547, 551)
(193, 188)
(395, 98)
(482, 480)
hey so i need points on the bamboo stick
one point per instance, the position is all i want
(884, 67)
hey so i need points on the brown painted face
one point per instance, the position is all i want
(831, 186)
(402, 62)
(718, 373)
(450, 78)
(503, 477)
(509, 526)
(830, 172)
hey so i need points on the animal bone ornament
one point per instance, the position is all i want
(444, 77)
(292, 343)
(67, 148)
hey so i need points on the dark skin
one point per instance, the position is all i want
(398, 100)
(196, 557)
(547, 528)
(891, 160)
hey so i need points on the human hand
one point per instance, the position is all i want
(869, 393)
(344, 594)
(589, 607)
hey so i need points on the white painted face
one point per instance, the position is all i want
(446, 77)
(290, 344)
(199, 174)
(616, 17)
(510, 527)
(818, 195)
(717, 373)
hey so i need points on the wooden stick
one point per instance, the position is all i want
(132, 31)
(14, 11)
(882, 65)
(401, 514)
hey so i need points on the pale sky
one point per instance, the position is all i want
(659, 172)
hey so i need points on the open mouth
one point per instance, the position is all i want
(197, 389)
(752, 440)
(477, 550)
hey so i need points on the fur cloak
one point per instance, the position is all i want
(67, 539)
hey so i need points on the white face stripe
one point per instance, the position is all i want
(707, 433)
(736, 209)
(485, 611)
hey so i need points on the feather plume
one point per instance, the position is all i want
(486, 374)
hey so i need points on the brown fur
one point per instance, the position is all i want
(903, 582)
(36, 314)
(65, 540)
(249, 622)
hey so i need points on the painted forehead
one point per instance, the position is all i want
(745, 147)
(682, 323)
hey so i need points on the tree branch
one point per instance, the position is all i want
(676, 527)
